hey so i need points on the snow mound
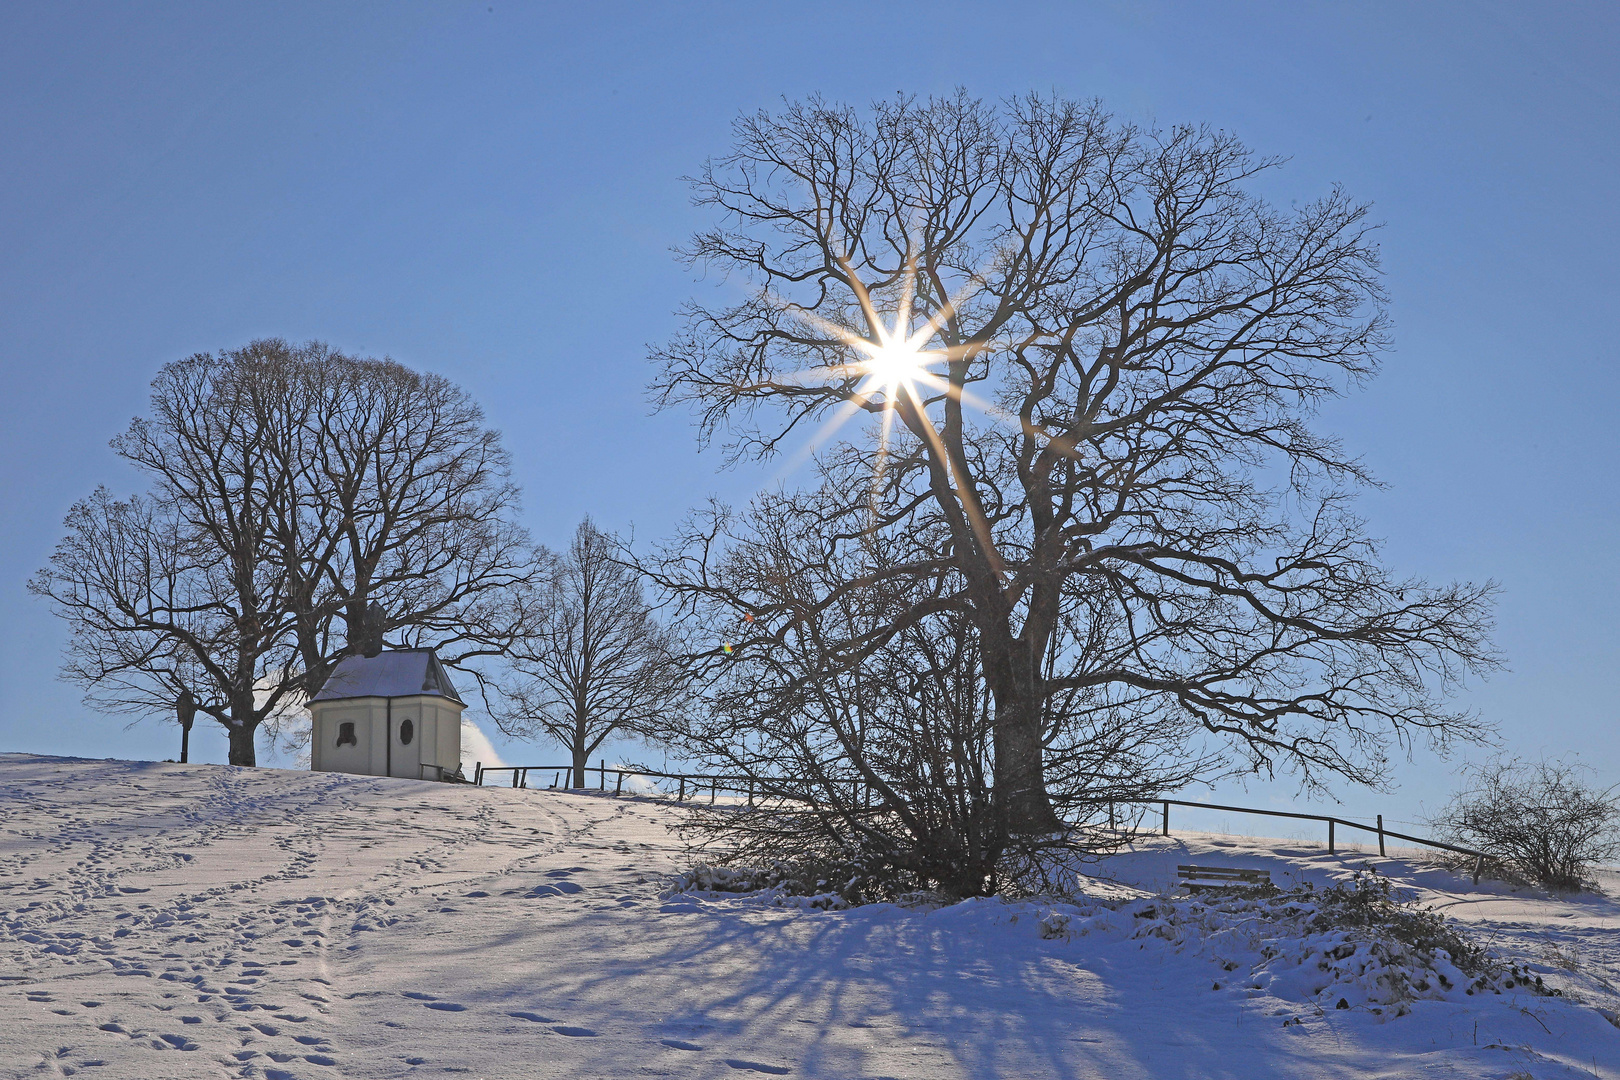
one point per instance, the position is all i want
(1351, 945)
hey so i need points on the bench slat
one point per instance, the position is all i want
(1207, 873)
(1195, 877)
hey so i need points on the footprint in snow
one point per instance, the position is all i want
(533, 1018)
(446, 1006)
(576, 1032)
(680, 1044)
(414, 996)
(319, 1059)
(561, 888)
(755, 1066)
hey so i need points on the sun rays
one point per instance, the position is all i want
(893, 378)
(895, 367)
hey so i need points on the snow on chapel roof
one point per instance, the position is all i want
(396, 673)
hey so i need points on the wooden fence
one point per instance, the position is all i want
(1479, 857)
(746, 785)
(562, 777)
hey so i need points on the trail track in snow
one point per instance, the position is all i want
(163, 921)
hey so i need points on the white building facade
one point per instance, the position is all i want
(393, 714)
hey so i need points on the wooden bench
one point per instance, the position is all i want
(1196, 878)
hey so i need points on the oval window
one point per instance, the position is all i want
(407, 731)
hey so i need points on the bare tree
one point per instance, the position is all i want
(401, 498)
(294, 491)
(1084, 356)
(595, 662)
(1545, 819)
(179, 592)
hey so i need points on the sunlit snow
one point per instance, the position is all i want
(162, 920)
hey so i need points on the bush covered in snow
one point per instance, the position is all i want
(1356, 943)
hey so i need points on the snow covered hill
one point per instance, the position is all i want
(199, 921)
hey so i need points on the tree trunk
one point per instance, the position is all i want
(316, 670)
(1020, 782)
(242, 751)
(186, 712)
(1019, 788)
(581, 759)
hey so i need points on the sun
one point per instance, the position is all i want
(894, 361)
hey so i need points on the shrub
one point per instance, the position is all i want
(1543, 819)
(1367, 902)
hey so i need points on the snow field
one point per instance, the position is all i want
(177, 921)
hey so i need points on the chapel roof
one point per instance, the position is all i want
(390, 674)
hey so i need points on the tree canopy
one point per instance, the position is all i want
(293, 490)
(1064, 371)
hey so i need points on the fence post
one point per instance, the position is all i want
(714, 789)
(1380, 836)
(1167, 817)
(1330, 836)
(750, 791)
(682, 796)
(1479, 864)
(601, 767)
(618, 785)
(478, 773)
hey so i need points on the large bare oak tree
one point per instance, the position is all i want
(1104, 448)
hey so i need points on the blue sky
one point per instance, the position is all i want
(491, 190)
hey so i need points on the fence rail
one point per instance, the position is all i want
(697, 782)
(740, 785)
(1479, 857)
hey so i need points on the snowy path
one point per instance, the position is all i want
(197, 921)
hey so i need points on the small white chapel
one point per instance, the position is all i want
(392, 714)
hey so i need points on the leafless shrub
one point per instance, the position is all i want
(873, 762)
(1544, 819)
